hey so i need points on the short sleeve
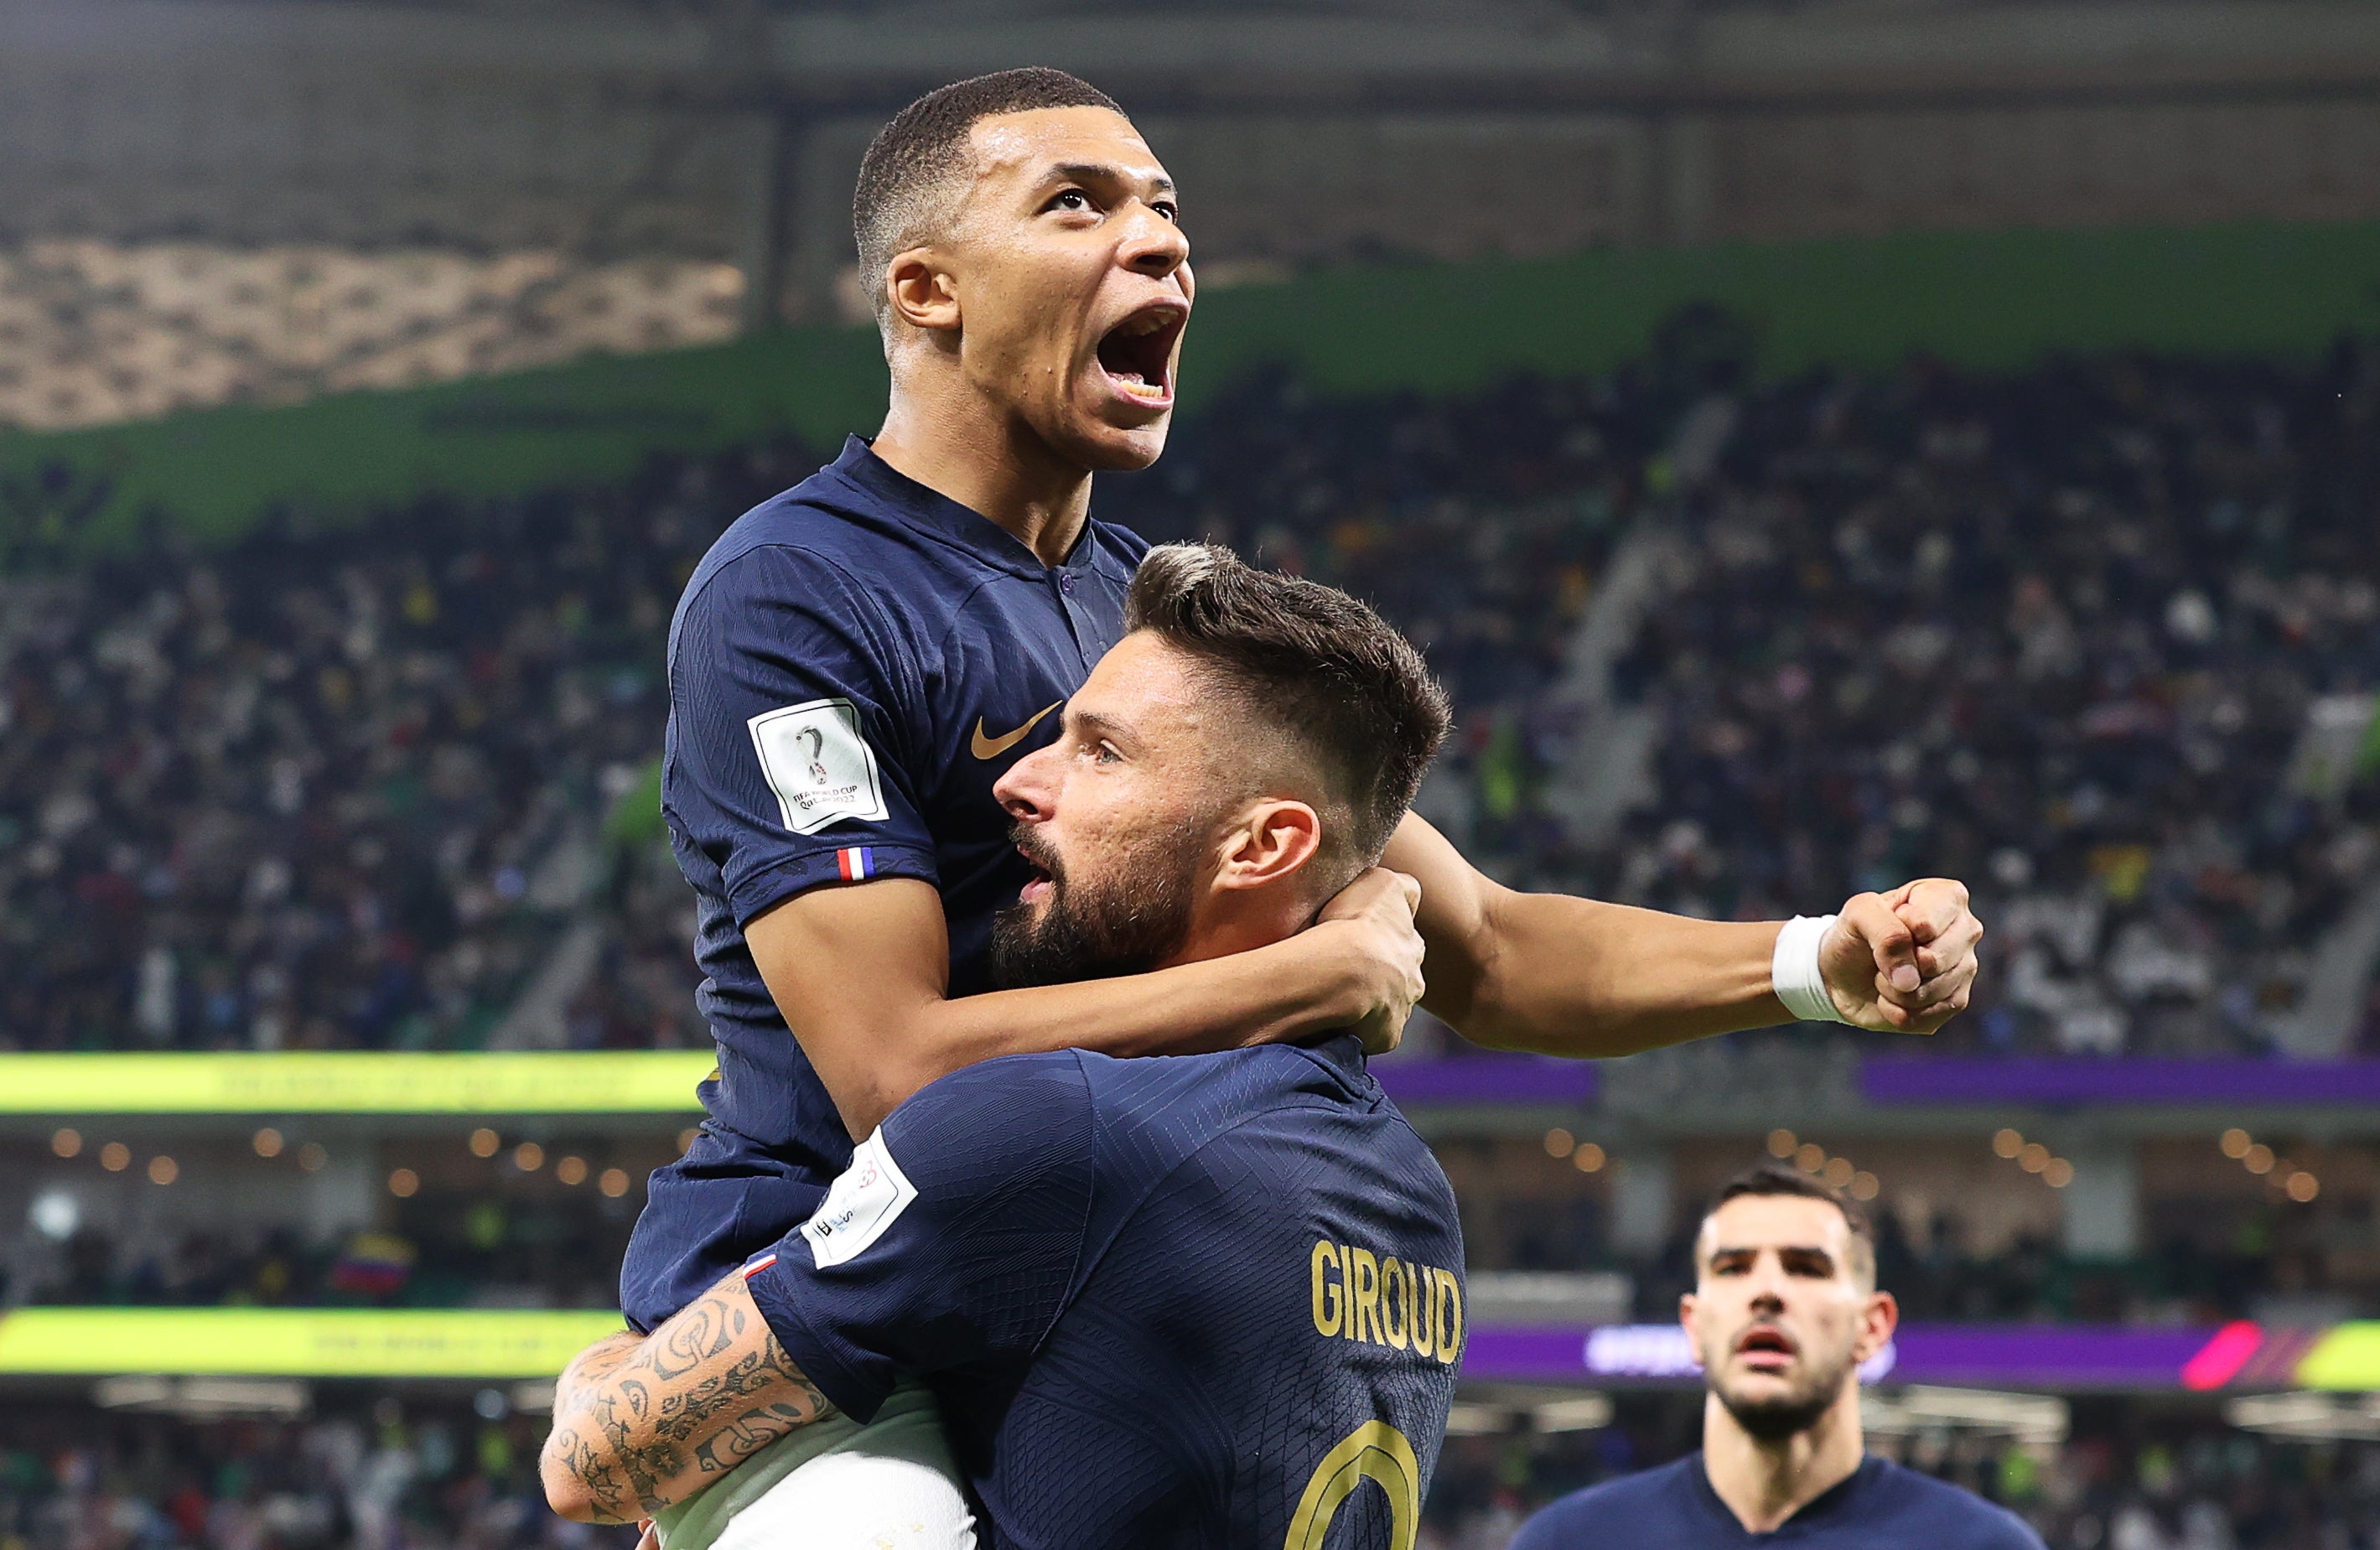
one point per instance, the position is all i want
(952, 1241)
(797, 748)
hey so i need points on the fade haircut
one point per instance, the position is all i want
(1319, 667)
(904, 181)
(1776, 1179)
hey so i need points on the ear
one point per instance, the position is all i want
(1879, 1319)
(923, 293)
(1688, 1310)
(1270, 842)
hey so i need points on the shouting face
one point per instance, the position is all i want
(1063, 282)
(1784, 1310)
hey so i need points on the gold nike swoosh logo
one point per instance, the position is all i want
(992, 747)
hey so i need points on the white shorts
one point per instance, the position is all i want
(837, 1485)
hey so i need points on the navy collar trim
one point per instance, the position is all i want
(1341, 1053)
(1817, 1509)
(936, 513)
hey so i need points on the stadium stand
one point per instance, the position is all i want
(380, 1474)
(2148, 600)
(390, 786)
(375, 1475)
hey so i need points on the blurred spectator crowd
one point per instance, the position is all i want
(434, 1477)
(455, 1255)
(347, 789)
(2098, 636)
(428, 1475)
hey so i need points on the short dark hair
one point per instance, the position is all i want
(926, 143)
(1776, 1179)
(1320, 666)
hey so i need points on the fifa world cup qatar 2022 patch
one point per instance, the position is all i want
(818, 765)
(868, 1197)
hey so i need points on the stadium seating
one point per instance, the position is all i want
(371, 1476)
(2101, 672)
(441, 1471)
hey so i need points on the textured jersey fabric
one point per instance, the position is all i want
(841, 660)
(1133, 1283)
(1881, 1507)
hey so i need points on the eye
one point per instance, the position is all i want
(1168, 209)
(1071, 198)
(1105, 753)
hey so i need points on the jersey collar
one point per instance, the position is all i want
(1826, 1505)
(886, 487)
(1340, 1055)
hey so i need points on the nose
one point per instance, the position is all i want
(1027, 793)
(1154, 246)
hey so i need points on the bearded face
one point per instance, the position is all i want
(1776, 1404)
(1121, 913)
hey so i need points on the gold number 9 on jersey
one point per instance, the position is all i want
(1375, 1451)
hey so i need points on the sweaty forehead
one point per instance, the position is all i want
(1026, 145)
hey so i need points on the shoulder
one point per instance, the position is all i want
(787, 575)
(1198, 1096)
(1951, 1517)
(1632, 1509)
(790, 547)
(995, 1125)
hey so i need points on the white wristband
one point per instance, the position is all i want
(1793, 971)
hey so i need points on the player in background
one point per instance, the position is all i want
(1785, 1309)
(1202, 1302)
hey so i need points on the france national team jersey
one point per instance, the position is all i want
(852, 666)
(1881, 1507)
(1197, 1300)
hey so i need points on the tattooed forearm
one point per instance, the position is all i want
(640, 1424)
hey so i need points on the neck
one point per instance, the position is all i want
(959, 443)
(1236, 923)
(1765, 1482)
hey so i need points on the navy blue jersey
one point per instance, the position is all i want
(1881, 1507)
(1197, 1300)
(852, 666)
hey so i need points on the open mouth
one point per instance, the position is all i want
(1040, 884)
(1137, 354)
(1763, 1347)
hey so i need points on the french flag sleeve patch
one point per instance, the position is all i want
(856, 863)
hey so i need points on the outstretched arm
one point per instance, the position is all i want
(644, 1422)
(1573, 977)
